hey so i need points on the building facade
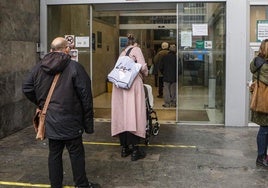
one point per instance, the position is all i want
(214, 43)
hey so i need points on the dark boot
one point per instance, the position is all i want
(91, 185)
(94, 185)
(262, 161)
(137, 154)
(126, 151)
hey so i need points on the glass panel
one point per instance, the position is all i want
(148, 19)
(201, 38)
(258, 23)
(149, 40)
(63, 20)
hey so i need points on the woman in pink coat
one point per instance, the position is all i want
(129, 108)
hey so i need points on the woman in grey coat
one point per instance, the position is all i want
(259, 69)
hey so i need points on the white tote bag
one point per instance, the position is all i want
(124, 72)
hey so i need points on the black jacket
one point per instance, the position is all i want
(70, 110)
(168, 67)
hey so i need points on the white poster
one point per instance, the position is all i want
(74, 54)
(186, 38)
(122, 43)
(262, 30)
(82, 42)
(200, 29)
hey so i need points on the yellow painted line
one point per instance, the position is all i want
(92, 143)
(27, 184)
(150, 145)
(102, 143)
(170, 146)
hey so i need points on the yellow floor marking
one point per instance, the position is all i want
(150, 145)
(92, 143)
(28, 184)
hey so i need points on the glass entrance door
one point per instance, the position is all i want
(198, 31)
(201, 50)
(151, 24)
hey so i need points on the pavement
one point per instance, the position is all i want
(180, 156)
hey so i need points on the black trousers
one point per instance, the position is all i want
(156, 80)
(127, 138)
(77, 156)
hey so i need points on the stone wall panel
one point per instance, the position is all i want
(19, 33)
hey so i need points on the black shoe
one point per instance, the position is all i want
(91, 185)
(137, 154)
(159, 96)
(262, 161)
(126, 151)
(94, 185)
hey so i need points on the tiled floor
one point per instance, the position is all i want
(102, 105)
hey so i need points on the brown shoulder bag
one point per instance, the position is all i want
(40, 115)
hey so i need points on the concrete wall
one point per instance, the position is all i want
(19, 33)
(237, 63)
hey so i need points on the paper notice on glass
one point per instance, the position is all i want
(208, 44)
(74, 54)
(200, 29)
(186, 38)
(262, 30)
(82, 42)
(70, 39)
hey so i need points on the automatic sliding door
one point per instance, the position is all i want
(201, 39)
(150, 23)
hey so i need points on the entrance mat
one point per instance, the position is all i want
(193, 115)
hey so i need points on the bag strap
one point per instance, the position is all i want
(129, 50)
(52, 87)
(258, 62)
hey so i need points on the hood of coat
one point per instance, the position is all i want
(55, 62)
(258, 61)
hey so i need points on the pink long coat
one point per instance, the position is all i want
(128, 106)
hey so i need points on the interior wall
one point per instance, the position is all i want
(104, 57)
(70, 20)
(74, 20)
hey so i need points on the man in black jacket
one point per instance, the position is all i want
(170, 70)
(157, 59)
(70, 111)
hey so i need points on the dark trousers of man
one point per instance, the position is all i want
(156, 80)
(262, 140)
(160, 86)
(170, 93)
(77, 156)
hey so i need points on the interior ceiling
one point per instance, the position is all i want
(135, 6)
